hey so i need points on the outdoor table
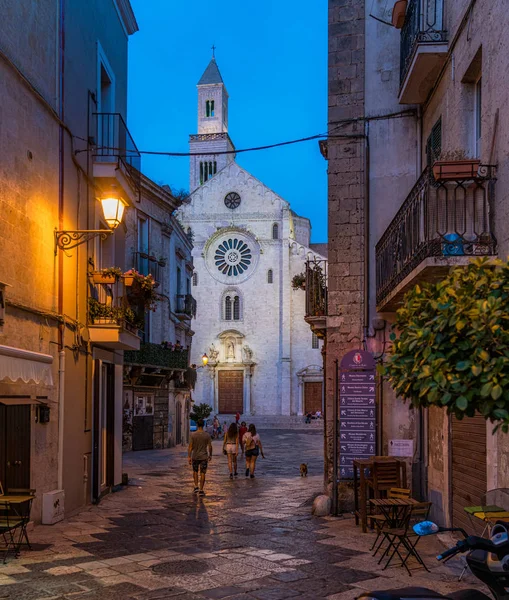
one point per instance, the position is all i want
(360, 466)
(393, 509)
(22, 505)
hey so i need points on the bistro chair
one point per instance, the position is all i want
(403, 540)
(11, 529)
(386, 474)
(379, 521)
(23, 511)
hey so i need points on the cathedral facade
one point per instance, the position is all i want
(248, 246)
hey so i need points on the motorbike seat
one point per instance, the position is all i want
(401, 593)
(469, 595)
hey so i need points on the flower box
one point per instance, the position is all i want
(102, 278)
(455, 169)
(128, 280)
(399, 13)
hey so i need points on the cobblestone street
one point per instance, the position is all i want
(249, 539)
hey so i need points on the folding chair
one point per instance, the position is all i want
(402, 538)
(380, 521)
(25, 513)
(9, 526)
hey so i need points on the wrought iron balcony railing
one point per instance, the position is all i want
(115, 143)
(448, 218)
(108, 304)
(186, 305)
(147, 264)
(316, 288)
(424, 24)
(157, 355)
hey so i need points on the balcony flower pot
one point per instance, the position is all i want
(128, 280)
(444, 170)
(103, 278)
(398, 13)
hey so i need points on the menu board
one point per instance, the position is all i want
(357, 410)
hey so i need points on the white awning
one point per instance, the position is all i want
(26, 366)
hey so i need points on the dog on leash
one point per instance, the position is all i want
(303, 470)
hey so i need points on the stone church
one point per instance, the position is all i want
(248, 245)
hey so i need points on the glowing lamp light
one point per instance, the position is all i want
(205, 360)
(113, 209)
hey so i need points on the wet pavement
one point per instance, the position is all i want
(250, 539)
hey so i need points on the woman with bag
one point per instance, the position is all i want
(253, 448)
(231, 448)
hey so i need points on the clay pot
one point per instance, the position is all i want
(455, 169)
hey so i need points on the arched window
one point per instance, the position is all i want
(209, 108)
(275, 231)
(270, 276)
(231, 306)
(228, 308)
(195, 279)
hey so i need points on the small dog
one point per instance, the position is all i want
(303, 470)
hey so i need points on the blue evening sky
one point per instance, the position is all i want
(272, 55)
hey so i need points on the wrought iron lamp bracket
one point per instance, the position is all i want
(66, 240)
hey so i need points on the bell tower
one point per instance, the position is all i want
(212, 136)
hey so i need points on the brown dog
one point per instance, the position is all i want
(303, 470)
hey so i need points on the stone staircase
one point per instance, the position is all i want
(276, 422)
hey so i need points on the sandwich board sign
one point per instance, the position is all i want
(357, 410)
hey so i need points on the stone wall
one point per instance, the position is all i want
(346, 192)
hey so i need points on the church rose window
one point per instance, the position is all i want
(232, 200)
(232, 257)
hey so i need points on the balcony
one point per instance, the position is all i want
(423, 49)
(112, 322)
(441, 224)
(117, 160)
(154, 364)
(186, 307)
(316, 296)
(148, 264)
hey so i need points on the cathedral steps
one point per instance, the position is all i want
(262, 422)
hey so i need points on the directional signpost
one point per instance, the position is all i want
(357, 410)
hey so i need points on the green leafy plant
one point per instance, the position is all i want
(201, 411)
(113, 271)
(142, 293)
(299, 281)
(97, 310)
(451, 344)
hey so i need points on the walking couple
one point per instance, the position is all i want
(250, 444)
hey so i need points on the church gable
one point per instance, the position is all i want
(255, 197)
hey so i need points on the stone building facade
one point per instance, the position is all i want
(60, 371)
(398, 101)
(157, 391)
(248, 246)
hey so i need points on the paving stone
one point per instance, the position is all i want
(245, 540)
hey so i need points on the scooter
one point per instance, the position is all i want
(488, 560)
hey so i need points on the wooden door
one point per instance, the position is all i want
(15, 446)
(143, 433)
(312, 396)
(469, 478)
(231, 392)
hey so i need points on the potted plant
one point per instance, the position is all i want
(109, 275)
(161, 261)
(142, 293)
(299, 281)
(129, 278)
(399, 13)
(455, 165)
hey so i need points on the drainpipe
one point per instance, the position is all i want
(367, 286)
(418, 166)
(61, 396)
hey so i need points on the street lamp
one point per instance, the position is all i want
(205, 359)
(113, 210)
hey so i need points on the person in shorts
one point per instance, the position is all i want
(199, 455)
(231, 448)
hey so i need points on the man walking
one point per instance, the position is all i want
(199, 455)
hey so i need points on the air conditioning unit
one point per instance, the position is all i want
(53, 507)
